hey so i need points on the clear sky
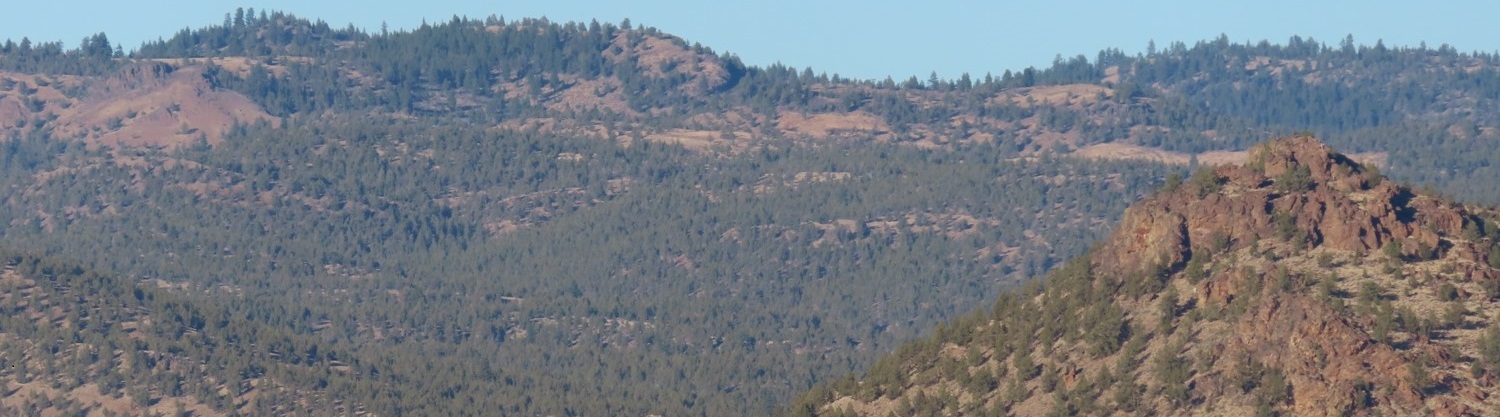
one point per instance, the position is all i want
(858, 39)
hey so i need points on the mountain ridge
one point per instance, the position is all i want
(553, 205)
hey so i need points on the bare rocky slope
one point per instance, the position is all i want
(1300, 283)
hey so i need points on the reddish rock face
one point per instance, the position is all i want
(1340, 208)
(1323, 356)
(1297, 190)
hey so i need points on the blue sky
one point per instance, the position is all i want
(859, 39)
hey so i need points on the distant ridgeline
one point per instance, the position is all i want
(602, 219)
(1421, 106)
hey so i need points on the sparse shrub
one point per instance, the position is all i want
(1295, 180)
(1447, 292)
(1205, 181)
(1025, 368)
(1489, 346)
(1491, 288)
(1325, 260)
(1384, 323)
(1372, 175)
(1362, 397)
(1107, 330)
(1257, 161)
(1219, 241)
(1282, 280)
(1128, 395)
(1050, 378)
(1453, 316)
(1172, 373)
(1174, 180)
(1417, 374)
(1426, 252)
(1392, 250)
(1248, 374)
(1015, 391)
(1286, 225)
(1473, 230)
(1370, 293)
(1168, 309)
(1273, 387)
(1133, 348)
(1195, 270)
(1105, 378)
(1264, 409)
(1328, 286)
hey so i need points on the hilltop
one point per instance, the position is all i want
(1299, 283)
(583, 218)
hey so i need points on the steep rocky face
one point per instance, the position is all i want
(1293, 188)
(1301, 283)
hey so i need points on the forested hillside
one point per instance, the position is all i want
(603, 219)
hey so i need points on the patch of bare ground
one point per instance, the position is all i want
(825, 125)
(155, 104)
(739, 118)
(1070, 95)
(771, 183)
(704, 140)
(581, 94)
(28, 99)
(1111, 75)
(661, 57)
(239, 65)
(566, 126)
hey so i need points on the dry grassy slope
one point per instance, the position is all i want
(1283, 276)
(147, 103)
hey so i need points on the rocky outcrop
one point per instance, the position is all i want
(1324, 356)
(1297, 192)
(1335, 202)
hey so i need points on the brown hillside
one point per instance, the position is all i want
(146, 103)
(1300, 283)
(157, 105)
